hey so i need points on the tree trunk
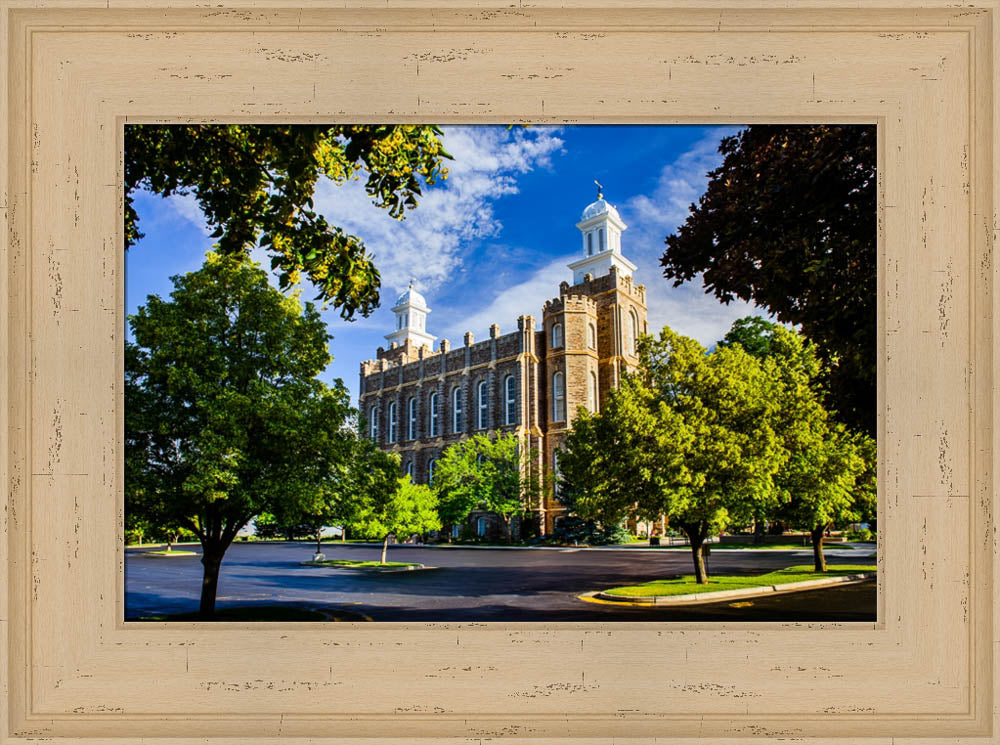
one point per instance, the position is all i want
(506, 530)
(385, 546)
(212, 560)
(697, 538)
(343, 534)
(170, 541)
(758, 530)
(819, 560)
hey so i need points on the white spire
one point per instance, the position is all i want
(411, 319)
(601, 230)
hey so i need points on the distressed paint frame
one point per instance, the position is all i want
(74, 672)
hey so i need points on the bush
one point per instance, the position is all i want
(860, 535)
(573, 529)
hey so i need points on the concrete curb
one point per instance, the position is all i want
(749, 592)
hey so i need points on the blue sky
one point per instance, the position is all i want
(492, 241)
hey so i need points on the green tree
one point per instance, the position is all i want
(483, 473)
(788, 222)
(256, 183)
(690, 435)
(826, 478)
(820, 481)
(401, 510)
(224, 416)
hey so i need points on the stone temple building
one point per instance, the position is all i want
(419, 395)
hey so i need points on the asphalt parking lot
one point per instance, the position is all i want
(480, 584)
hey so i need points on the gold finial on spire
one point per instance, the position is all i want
(600, 189)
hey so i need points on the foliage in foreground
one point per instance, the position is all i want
(224, 415)
(787, 221)
(256, 183)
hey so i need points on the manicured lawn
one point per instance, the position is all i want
(348, 564)
(784, 546)
(248, 613)
(686, 584)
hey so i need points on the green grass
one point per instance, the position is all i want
(686, 584)
(347, 563)
(247, 613)
(785, 546)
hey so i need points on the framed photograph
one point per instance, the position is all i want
(104, 641)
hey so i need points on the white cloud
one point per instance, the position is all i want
(186, 207)
(428, 245)
(525, 298)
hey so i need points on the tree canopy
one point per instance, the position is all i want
(482, 473)
(224, 415)
(255, 183)
(788, 222)
(402, 510)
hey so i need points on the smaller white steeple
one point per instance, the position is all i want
(411, 319)
(601, 229)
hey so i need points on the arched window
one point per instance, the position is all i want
(392, 422)
(634, 332)
(557, 335)
(600, 239)
(483, 405)
(510, 386)
(556, 474)
(409, 469)
(456, 409)
(432, 415)
(592, 336)
(373, 423)
(558, 397)
(590, 244)
(592, 393)
(430, 470)
(411, 419)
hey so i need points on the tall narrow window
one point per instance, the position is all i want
(555, 465)
(432, 415)
(634, 331)
(558, 397)
(456, 409)
(411, 418)
(590, 244)
(430, 470)
(592, 393)
(392, 422)
(483, 405)
(557, 335)
(373, 423)
(600, 239)
(510, 386)
(409, 469)
(592, 336)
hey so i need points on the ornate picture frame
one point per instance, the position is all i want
(76, 71)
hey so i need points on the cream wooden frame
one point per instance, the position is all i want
(76, 70)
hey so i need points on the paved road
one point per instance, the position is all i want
(477, 584)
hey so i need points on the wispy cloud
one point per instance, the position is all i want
(429, 244)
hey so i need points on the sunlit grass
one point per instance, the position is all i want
(685, 585)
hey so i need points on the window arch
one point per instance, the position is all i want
(409, 469)
(633, 332)
(432, 414)
(373, 423)
(411, 419)
(558, 397)
(510, 388)
(600, 239)
(456, 409)
(592, 336)
(592, 393)
(483, 405)
(392, 422)
(557, 335)
(430, 470)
